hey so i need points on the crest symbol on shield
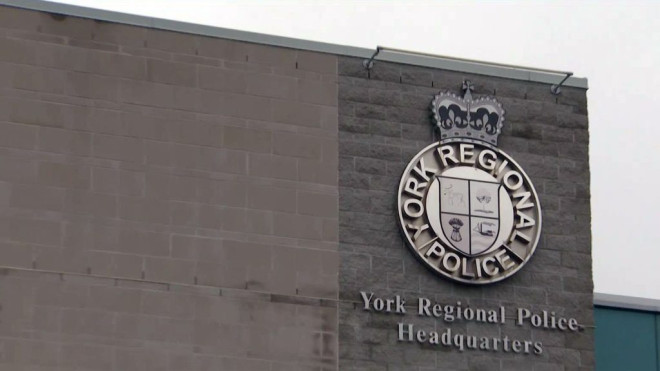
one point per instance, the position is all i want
(469, 213)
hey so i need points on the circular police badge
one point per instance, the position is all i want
(467, 209)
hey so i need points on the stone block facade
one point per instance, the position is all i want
(173, 201)
(384, 120)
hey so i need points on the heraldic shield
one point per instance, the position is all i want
(469, 213)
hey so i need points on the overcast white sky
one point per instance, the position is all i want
(614, 44)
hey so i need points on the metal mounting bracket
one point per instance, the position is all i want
(369, 63)
(556, 89)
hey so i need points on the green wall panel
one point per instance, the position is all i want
(657, 341)
(626, 340)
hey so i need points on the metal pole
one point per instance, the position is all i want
(474, 61)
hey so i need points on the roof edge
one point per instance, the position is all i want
(447, 63)
(626, 302)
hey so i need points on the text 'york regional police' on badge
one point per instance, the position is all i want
(467, 209)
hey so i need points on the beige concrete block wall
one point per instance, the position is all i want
(167, 201)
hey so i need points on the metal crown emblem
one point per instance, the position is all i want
(456, 117)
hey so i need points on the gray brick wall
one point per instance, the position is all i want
(383, 121)
(167, 201)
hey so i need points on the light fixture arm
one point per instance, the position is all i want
(369, 63)
(556, 89)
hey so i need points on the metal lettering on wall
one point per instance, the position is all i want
(466, 208)
(448, 313)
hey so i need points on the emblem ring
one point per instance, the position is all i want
(520, 242)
